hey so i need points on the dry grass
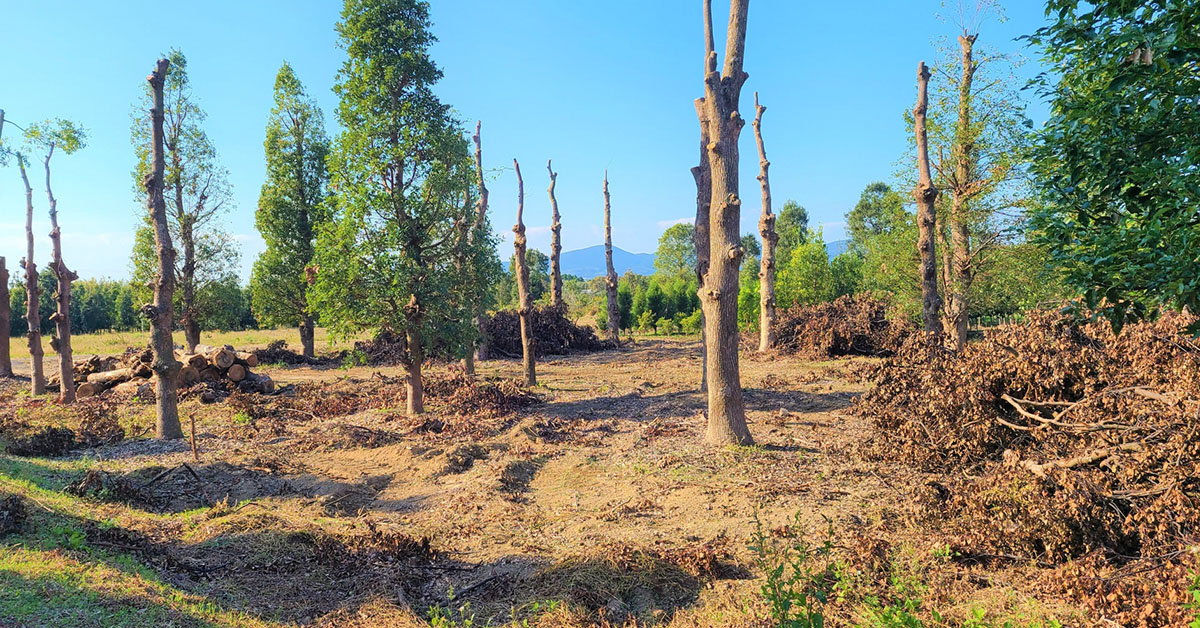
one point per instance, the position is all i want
(111, 342)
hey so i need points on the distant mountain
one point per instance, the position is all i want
(836, 248)
(589, 262)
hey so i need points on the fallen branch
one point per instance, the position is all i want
(1040, 470)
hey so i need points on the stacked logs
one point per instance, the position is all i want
(131, 372)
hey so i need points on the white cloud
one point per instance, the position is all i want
(663, 224)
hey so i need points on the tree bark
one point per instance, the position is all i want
(5, 312)
(190, 317)
(610, 278)
(719, 297)
(32, 294)
(161, 311)
(481, 208)
(960, 238)
(414, 385)
(556, 284)
(703, 177)
(926, 195)
(307, 331)
(766, 228)
(61, 318)
(526, 309)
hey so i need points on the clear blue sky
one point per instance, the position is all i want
(592, 85)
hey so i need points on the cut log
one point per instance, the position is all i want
(107, 378)
(142, 389)
(188, 376)
(142, 370)
(210, 374)
(87, 390)
(220, 357)
(246, 358)
(236, 373)
(194, 360)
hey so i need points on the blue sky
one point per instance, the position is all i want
(592, 85)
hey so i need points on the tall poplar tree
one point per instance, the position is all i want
(197, 192)
(291, 208)
(404, 177)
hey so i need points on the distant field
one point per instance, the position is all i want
(116, 342)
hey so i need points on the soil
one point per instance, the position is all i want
(603, 495)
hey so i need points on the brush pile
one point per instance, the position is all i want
(130, 373)
(1061, 441)
(553, 334)
(848, 325)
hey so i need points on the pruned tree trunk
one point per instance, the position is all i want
(414, 385)
(556, 284)
(189, 319)
(719, 297)
(161, 312)
(610, 278)
(766, 228)
(32, 293)
(61, 318)
(526, 308)
(307, 331)
(5, 312)
(481, 208)
(703, 176)
(962, 190)
(926, 195)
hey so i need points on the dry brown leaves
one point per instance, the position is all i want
(849, 325)
(1061, 440)
(553, 333)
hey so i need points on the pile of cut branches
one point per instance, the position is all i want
(1061, 440)
(553, 333)
(848, 325)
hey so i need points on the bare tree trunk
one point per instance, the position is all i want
(190, 318)
(722, 93)
(61, 318)
(956, 310)
(32, 294)
(414, 386)
(481, 208)
(161, 312)
(766, 228)
(307, 331)
(926, 194)
(556, 284)
(526, 308)
(703, 176)
(610, 277)
(5, 312)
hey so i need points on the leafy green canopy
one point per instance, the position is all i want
(292, 205)
(1118, 163)
(397, 255)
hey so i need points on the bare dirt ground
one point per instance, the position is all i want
(600, 503)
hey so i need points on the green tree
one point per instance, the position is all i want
(792, 228)
(291, 207)
(197, 192)
(806, 279)
(874, 214)
(1117, 163)
(676, 253)
(404, 182)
